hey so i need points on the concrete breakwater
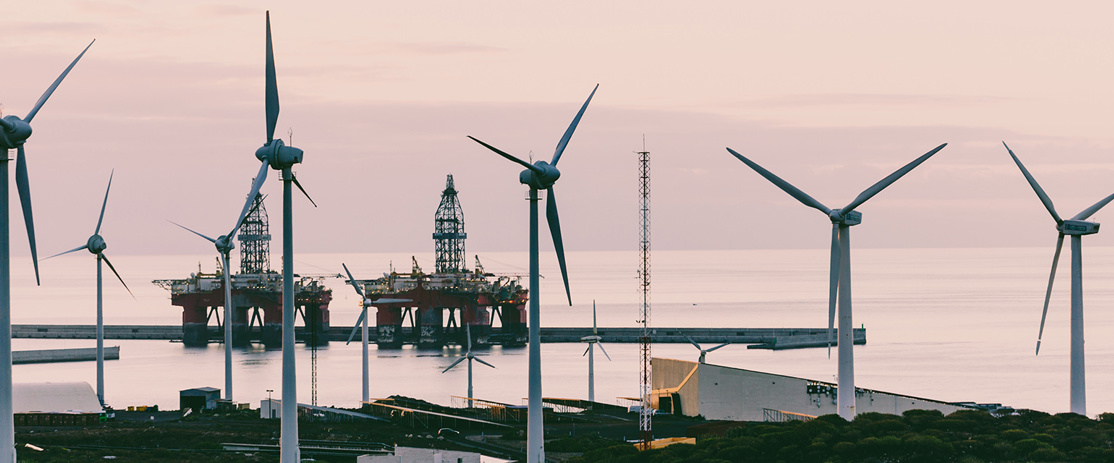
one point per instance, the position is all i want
(764, 338)
(82, 354)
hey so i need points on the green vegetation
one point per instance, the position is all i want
(917, 436)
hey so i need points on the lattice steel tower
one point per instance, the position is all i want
(644, 416)
(448, 231)
(255, 240)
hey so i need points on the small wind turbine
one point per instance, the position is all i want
(95, 245)
(541, 175)
(593, 340)
(282, 158)
(224, 246)
(469, 357)
(1076, 226)
(703, 351)
(361, 324)
(14, 132)
(840, 271)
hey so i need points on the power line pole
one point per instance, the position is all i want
(644, 421)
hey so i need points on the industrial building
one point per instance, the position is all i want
(724, 393)
(55, 404)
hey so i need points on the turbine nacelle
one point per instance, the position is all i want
(848, 219)
(1078, 227)
(96, 244)
(591, 338)
(542, 178)
(278, 155)
(15, 132)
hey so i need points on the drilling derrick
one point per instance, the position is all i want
(448, 232)
(255, 240)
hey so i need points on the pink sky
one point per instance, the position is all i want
(380, 95)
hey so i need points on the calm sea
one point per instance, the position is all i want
(947, 324)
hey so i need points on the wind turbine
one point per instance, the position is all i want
(96, 245)
(593, 341)
(703, 351)
(541, 175)
(469, 357)
(14, 132)
(1076, 226)
(282, 158)
(361, 324)
(224, 246)
(840, 271)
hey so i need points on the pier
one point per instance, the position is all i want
(757, 338)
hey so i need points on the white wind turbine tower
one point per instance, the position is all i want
(593, 341)
(14, 132)
(224, 246)
(541, 175)
(703, 351)
(96, 245)
(840, 271)
(1076, 226)
(469, 357)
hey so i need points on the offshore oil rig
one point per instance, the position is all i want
(256, 295)
(436, 306)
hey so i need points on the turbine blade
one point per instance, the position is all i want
(572, 128)
(110, 267)
(692, 341)
(1036, 186)
(24, 189)
(586, 350)
(483, 362)
(594, 329)
(558, 244)
(604, 351)
(299, 185)
(785, 186)
(890, 179)
(105, 204)
(359, 323)
(1084, 214)
(717, 347)
(272, 97)
(1048, 293)
(84, 246)
(457, 362)
(50, 90)
(525, 164)
(256, 184)
(468, 336)
(194, 232)
(352, 281)
(833, 285)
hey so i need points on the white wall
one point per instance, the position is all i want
(722, 393)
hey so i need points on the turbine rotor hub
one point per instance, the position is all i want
(278, 155)
(96, 244)
(548, 176)
(14, 132)
(224, 244)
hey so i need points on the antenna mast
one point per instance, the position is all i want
(644, 421)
